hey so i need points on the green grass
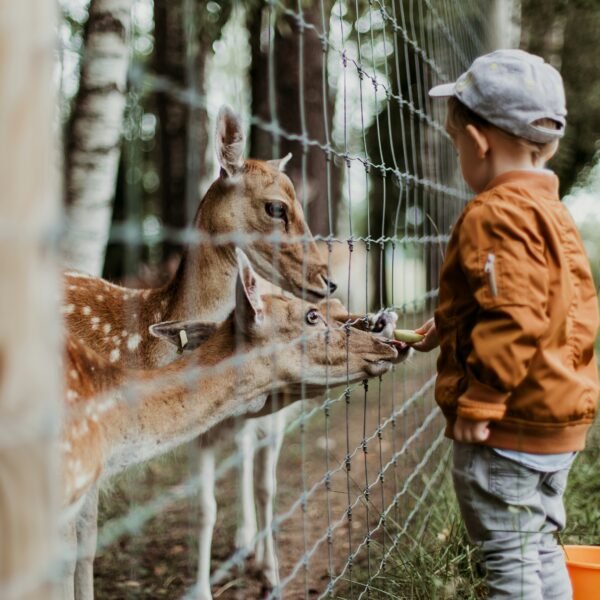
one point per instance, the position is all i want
(582, 498)
(433, 561)
(439, 563)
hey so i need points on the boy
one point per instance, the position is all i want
(517, 317)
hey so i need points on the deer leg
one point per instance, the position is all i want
(87, 533)
(69, 558)
(266, 484)
(208, 516)
(246, 532)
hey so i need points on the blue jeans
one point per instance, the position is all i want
(513, 513)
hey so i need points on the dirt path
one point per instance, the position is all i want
(160, 560)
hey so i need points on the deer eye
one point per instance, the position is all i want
(312, 316)
(276, 210)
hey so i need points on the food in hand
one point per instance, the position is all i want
(408, 335)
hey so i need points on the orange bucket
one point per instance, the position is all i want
(583, 563)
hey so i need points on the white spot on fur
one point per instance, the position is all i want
(86, 310)
(134, 341)
(100, 298)
(73, 288)
(68, 309)
(106, 328)
(73, 373)
(72, 395)
(80, 429)
(95, 320)
(146, 294)
(114, 355)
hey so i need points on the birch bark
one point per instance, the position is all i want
(29, 327)
(93, 143)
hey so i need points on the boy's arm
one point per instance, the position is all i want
(503, 256)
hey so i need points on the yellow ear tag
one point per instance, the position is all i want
(183, 340)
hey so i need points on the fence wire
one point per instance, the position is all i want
(358, 463)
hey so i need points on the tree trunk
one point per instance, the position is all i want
(29, 332)
(180, 55)
(94, 136)
(317, 180)
(557, 31)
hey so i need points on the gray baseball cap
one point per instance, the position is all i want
(511, 89)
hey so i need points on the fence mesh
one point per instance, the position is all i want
(344, 86)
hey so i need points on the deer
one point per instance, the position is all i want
(116, 417)
(250, 200)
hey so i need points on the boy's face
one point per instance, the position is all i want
(474, 167)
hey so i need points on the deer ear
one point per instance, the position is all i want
(186, 335)
(248, 303)
(229, 141)
(280, 163)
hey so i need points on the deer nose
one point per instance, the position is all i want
(332, 286)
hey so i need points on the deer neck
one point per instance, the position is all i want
(204, 285)
(176, 403)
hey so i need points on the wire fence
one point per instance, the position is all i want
(379, 183)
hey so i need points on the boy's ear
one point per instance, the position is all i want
(478, 137)
(549, 151)
(186, 335)
(249, 309)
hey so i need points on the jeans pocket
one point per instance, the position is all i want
(554, 484)
(511, 481)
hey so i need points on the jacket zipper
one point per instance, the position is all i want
(490, 270)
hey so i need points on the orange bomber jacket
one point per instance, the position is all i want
(517, 319)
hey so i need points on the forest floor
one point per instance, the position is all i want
(158, 558)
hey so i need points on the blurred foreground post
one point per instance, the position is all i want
(29, 332)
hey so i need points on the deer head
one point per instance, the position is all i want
(256, 198)
(302, 345)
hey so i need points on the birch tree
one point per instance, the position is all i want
(29, 389)
(93, 139)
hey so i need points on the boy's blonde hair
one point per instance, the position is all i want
(459, 116)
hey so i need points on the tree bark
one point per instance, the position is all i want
(181, 128)
(317, 180)
(94, 136)
(558, 30)
(29, 331)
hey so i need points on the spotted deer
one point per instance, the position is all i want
(253, 203)
(117, 417)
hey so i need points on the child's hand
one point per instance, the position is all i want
(469, 431)
(431, 338)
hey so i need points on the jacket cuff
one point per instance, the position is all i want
(481, 402)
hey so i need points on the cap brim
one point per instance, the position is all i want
(441, 91)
